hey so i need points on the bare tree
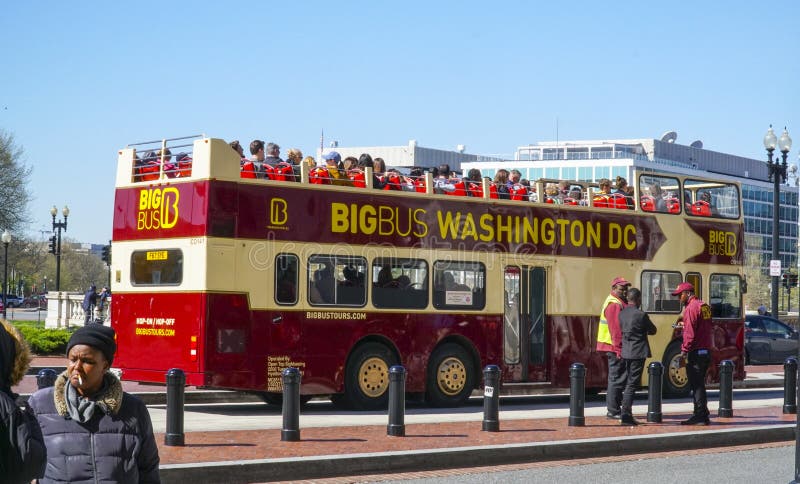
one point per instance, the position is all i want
(14, 177)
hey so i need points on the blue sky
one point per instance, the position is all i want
(80, 80)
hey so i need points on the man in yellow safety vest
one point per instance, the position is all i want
(609, 341)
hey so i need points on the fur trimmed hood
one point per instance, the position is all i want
(12, 368)
(112, 397)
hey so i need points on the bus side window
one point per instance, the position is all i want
(656, 287)
(400, 283)
(286, 279)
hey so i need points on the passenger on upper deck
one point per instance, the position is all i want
(257, 157)
(364, 161)
(237, 147)
(442, 183)
(272, 154)
(500, 185)
(169, 168)
(332, 161)
(379, 167)
(626, 191)
(474, 183)
(658, 197)
(294, 157)
(514, 176)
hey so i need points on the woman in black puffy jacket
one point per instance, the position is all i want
(22, 451)
(92, 429)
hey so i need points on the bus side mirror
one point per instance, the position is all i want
(743, 286)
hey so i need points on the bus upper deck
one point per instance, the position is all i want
(162, 162)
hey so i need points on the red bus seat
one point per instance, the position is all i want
(185, 166)
(282, 172)
(476, 189)
(493, 191)
(519, 192)
(149, 172)
(673, 205)
(460, 191)
(648, 203)
(601, 201)
(248, 170)
(701, 208)
(319, 176)
(618, 201)
(393, 182)
(419, 185)
(357, 177)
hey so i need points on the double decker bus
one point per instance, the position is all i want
(234, 279)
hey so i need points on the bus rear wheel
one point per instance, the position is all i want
(367, 377)
(451, 376)
(676, 382)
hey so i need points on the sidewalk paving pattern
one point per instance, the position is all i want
(325, 449)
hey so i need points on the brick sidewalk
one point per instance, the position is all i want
(320, 441)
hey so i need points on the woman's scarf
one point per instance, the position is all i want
(81, 408)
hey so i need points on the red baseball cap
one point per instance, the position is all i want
(683, 286)
(620, 281)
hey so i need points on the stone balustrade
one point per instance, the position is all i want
(64, 310)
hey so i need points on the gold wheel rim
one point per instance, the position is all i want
(677, 373)
(451, 376)
(373, 377)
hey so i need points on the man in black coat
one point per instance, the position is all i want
(635, 325)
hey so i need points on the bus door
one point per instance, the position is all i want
(524, 348)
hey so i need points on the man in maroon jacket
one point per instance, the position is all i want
(696, 349)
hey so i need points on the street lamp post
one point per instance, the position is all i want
(777, 174)
(57, 226)
(6, 237)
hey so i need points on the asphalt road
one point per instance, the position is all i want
(768, 465)
(24, 314)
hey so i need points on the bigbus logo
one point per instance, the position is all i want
(158, 208)
(277, 212)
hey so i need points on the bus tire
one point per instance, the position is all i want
(676, 382)
(451, 376)
(367, 377)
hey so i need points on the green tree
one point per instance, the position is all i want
(14, 177)
(758, 280)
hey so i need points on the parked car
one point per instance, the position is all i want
(768, 341)
(12, 301)
(36, 301)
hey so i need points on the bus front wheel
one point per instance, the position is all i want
(676, 382)
(367, 377)
(451, 376)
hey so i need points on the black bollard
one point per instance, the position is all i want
(45, 378)
(655, 381)
(291, 405)
(491, 399)
(176, 381)
(397, 402)
(790, 385)
(725, 389)
(577, 394)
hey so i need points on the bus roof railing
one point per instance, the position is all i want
(202, 135)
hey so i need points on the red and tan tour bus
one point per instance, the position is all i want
(234, 279)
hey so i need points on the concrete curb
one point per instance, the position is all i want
(431, 459)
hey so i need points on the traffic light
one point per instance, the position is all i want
(107, 254)
(792, 280)
(52, 245)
